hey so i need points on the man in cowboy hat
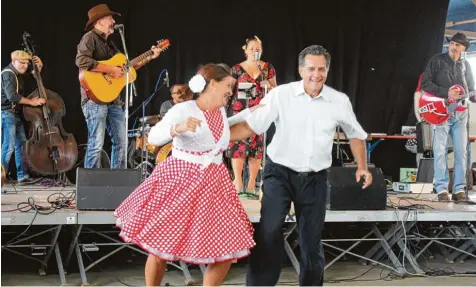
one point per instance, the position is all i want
(13, 132)
(442, 73)
(95, 46)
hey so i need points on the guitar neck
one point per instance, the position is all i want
(140, 60)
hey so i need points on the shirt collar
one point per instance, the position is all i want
(11, 67)
(103, 35)
(300, 91)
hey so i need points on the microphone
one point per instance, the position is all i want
(257, 56)
(118, 26)
(167, 78)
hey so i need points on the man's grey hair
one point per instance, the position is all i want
(314, 50)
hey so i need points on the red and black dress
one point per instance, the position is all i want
(253, 146)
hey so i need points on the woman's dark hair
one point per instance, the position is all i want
(212, 71)
(215, 72)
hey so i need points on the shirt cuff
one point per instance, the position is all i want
(238, 118)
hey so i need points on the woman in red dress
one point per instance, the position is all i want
(188, 208)
(263, 76)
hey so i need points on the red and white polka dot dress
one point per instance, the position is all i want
(182, 212)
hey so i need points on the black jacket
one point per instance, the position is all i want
(442, 72)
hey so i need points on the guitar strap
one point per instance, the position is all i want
(16, 79)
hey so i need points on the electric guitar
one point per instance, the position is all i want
(436, 110)
(101, 88)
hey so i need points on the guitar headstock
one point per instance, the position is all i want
(163, 44)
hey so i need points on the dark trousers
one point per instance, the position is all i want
(308, 191)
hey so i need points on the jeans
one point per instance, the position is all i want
(456, 127)
(99, 118)
(13, 135)
(309, 193)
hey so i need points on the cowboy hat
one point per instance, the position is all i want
(460, 38)
(98, 12)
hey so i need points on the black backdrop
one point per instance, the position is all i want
(378, 48)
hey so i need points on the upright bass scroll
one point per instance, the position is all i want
(49, 149)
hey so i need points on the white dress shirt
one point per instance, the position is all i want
(305, 126)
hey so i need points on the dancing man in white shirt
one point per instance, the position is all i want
(306, 114)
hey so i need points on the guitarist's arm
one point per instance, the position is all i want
(85, 60)
(111, 70)
(428, 82)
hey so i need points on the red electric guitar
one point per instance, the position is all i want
(436, 111)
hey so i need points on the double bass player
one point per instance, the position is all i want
(13, 132)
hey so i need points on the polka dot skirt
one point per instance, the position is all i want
(184, 213)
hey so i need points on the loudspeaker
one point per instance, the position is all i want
(103, 188)
(344, 193)
(425, 170)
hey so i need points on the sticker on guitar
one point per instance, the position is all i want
(102, 88)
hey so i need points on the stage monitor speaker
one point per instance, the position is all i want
(344, 193)
(104, 188)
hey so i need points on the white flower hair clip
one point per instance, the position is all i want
(197, 83)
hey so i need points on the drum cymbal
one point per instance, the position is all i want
(150, 120)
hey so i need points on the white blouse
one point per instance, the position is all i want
(199, 141)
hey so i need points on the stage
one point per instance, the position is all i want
(434, 211)
(391, 229)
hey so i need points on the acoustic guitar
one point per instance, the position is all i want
(102, 88)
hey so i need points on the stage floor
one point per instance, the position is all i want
(425, 209)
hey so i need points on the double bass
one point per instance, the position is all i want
(49, 150)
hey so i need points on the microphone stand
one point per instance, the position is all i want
(144, 153)
(263, 163)
(469, 171)
(128, 87)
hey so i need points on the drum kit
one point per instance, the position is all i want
(144, 155)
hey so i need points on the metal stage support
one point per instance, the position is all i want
(37, 250)
(397, 237)
(79, 248)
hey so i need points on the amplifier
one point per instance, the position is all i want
(424, 136)
(104, 188)
(344, 193)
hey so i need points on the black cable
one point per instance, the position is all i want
(62, 201)
(31, 202)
